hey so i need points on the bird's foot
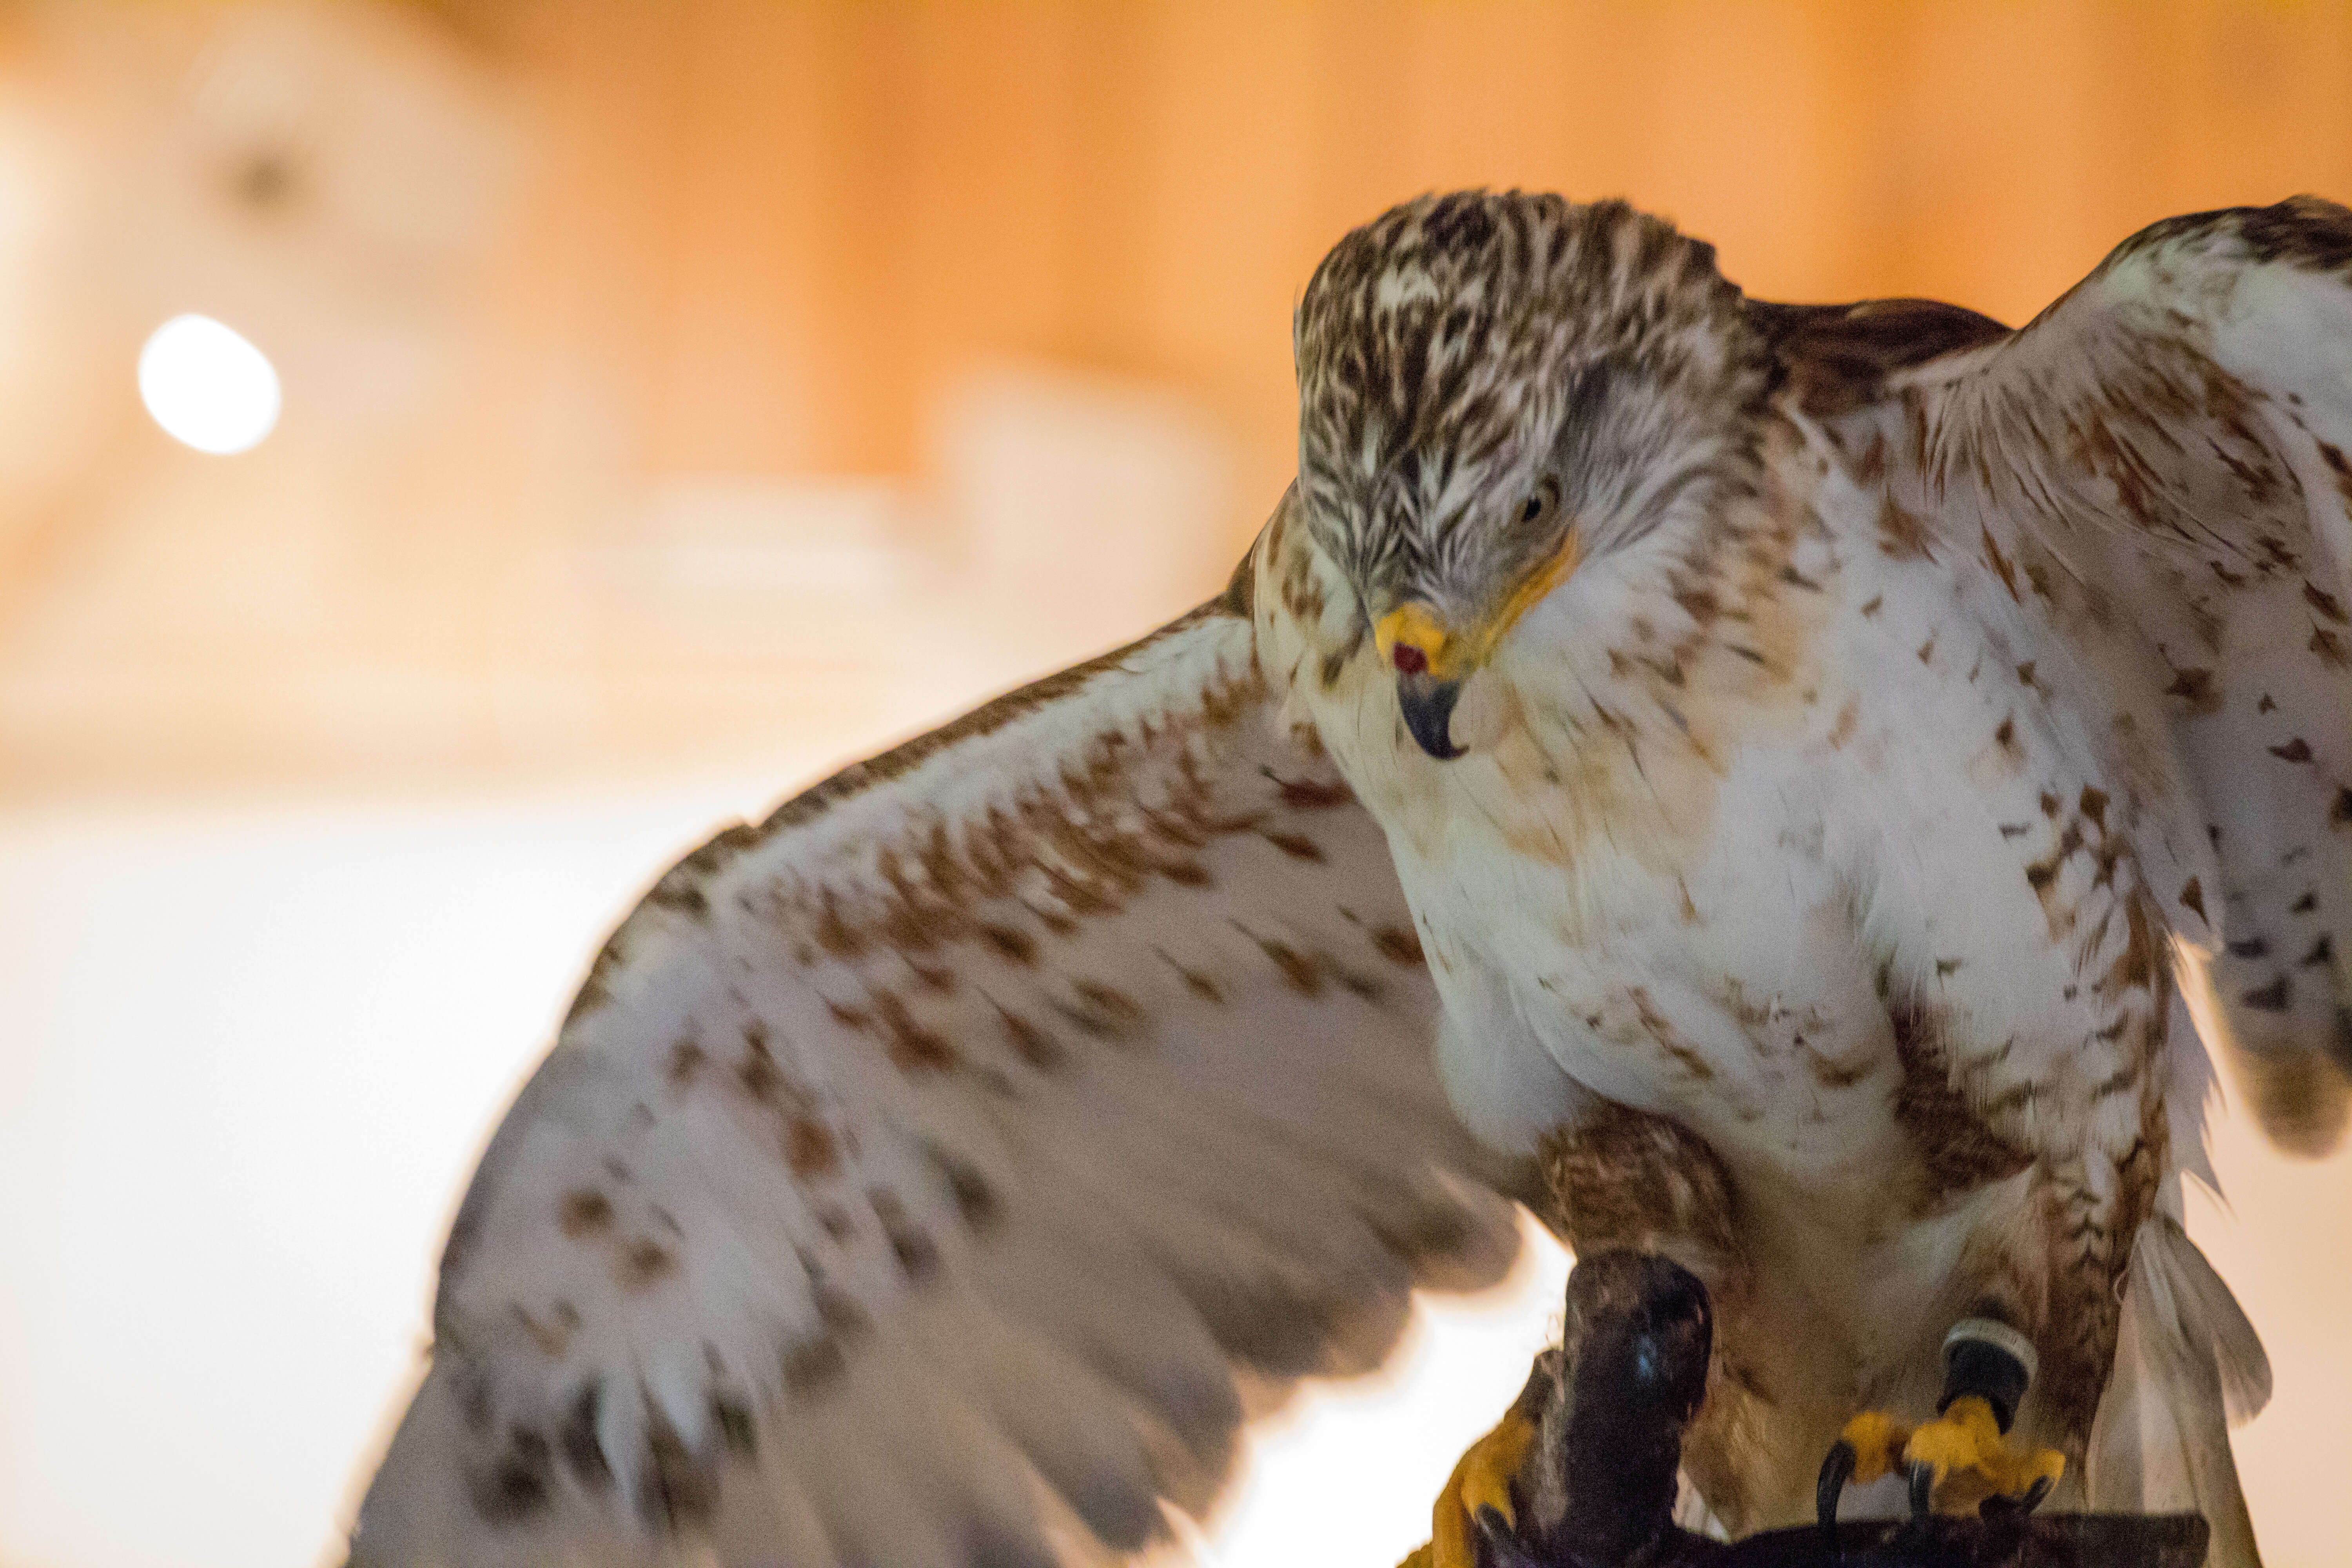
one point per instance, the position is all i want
(1962, 1453)
(1960, 1459)
(1481, 1483)
(1872, 1446)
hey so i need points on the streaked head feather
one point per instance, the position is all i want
(1458, 349)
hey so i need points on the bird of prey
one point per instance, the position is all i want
(1788, 789)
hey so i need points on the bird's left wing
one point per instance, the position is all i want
(936, 1171)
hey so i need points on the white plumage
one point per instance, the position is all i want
(1870, 719)
(961, 1128)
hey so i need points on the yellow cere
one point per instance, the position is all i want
(1453, 656)
(1413, 625)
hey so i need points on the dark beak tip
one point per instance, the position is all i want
(1427, 704)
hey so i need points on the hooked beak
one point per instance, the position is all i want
(1415, 642)
(1432, 661)
(1428, 706)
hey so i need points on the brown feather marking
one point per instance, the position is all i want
(643, 1263)
(1104, 1011)
(1655, 1025)
(757, 1074)
(1903, 535)
(1240, 597)
(1836, 358)
(2000, 564)
(832, 933)
(2196, 688)
(1958, 1150)
(2136, 967)
(810, 1148)
(1298, 845)
(2342, 469)
(1848, 717)
(553, 1333)
(982, 721)
(1018, 946)
(2272, 998)
(1298, 972)
(584, 1211)
(1624, 1178)
(1034, 1045)
(1838, 1075)
(912, 1047)
(1199, 985)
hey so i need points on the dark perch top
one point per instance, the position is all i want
(1599, 1491)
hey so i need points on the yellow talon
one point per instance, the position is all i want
(1877, 1441)
(2016, 1474)
(1966, 1441)
(1964, 1437)
(1483, 1478)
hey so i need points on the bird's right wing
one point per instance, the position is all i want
(2151, 484)
(929, 1174)
(2161, 467)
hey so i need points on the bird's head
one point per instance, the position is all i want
(1494, 391)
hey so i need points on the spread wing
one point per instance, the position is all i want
(936, 1171)
(2151, 487)
(2161, 467)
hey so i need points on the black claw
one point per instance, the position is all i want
(1499, 1543)
(1922, 1488)
(1836, 1470)
(2016, 1507)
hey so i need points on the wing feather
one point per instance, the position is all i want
(2161, 465)
(936, 1171)
(2155, 471)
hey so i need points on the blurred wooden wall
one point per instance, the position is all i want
(767, 231)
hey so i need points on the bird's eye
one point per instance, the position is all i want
(1538, 502)
(1531, 509)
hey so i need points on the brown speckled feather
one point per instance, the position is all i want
(929, 1173)
(1909, 706)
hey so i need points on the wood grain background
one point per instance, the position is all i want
(783, 224)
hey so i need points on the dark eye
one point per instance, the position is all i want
(1531, 509)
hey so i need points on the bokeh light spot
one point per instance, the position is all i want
(207, 386)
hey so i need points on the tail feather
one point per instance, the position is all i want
(2188, 1367)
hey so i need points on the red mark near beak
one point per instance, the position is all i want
(1409, 658)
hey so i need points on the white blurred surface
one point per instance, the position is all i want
(208, 386)
(248, 1052)
(251, 1055)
